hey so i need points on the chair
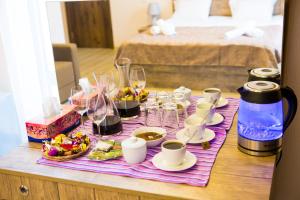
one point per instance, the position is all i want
(67, 68)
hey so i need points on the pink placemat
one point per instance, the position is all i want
(198, 175)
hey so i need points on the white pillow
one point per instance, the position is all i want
(252, 10)
(192, 9)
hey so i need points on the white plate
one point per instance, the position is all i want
(188, 162)
(208, 136)
(221, 103)
(217, 119)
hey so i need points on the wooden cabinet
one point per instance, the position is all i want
(25, 188)
(16, 187)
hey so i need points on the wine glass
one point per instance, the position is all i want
(137, 78)
(80, 99)
(97, 111)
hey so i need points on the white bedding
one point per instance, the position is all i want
(221, 21)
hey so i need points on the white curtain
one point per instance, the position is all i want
(27, 49)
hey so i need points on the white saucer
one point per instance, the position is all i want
(188, 162)
(208, 136)
(221, 103)
(217, 119)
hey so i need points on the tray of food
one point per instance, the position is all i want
(63, 147)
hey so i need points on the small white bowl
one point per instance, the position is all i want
(151, 143)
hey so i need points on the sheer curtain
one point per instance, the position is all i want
(29, 65)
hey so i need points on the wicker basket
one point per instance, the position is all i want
(65, 158)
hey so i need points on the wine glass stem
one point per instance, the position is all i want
(81, 120)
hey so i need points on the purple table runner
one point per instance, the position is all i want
(198, 175)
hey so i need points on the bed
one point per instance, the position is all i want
(199, 47)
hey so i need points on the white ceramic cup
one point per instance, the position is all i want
(195, 127)
(212, 94)
(207, 110)
(173, 156)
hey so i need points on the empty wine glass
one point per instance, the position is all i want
(80, 99)
(137, 78)
(97, 111)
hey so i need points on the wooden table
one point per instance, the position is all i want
(234, 176)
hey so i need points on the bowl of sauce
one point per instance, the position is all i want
(153, 135)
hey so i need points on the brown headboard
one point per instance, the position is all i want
(221, 8)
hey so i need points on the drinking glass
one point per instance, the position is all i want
(152, 114)
(80, 99)
(97, 111)
(137, 78)
(179, 99)
(170, 118)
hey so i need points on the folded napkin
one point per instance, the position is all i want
(248, 29)
(163, 27)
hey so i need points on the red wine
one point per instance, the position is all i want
(109, 126)
(128, 108)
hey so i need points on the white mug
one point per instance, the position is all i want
(173, 156)
(205, 110)
(212, 94)
(195, 127)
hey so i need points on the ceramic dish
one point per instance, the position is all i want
(158, 130)
(100, 155)
(221, 103)
(207, 136)
(189, 161)
(216, 119)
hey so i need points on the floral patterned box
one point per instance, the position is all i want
(41, 129)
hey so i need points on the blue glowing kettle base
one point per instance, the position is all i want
(259, 148)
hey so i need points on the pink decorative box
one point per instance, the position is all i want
(41, 129)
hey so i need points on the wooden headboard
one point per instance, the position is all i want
(221, 8)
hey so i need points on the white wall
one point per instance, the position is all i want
(130, 15)
(56, 22)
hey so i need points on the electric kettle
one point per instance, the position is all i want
(264, 74)
(260, 119)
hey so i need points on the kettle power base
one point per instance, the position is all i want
(259, 148)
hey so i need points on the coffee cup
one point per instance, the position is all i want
(195, 127)
(173, 152)
(205, 110)
(212, 94)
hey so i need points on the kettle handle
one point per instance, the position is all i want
(291, 98)
(240, 90)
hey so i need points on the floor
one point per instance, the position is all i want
(98, 60)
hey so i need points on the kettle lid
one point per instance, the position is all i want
(265, 72)
(261, 92)
(261, 86)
